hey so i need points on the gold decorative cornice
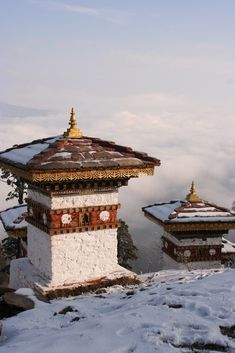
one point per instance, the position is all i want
(60, 176)
(183, 227)
(63, 175)
(73, 131)
(192, 196)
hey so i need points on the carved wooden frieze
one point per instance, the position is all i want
(190, 253)
(72, 219)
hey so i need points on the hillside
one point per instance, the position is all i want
(170, 311)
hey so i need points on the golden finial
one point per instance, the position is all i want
(73, 131)
(192, 196)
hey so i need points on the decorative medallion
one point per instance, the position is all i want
(187, 253)
(212, 252)
(104, 216)
(66, 218)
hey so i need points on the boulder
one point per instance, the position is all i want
(18, 300)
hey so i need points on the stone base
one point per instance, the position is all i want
(24, 275)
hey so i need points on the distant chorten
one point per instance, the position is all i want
(193, 230)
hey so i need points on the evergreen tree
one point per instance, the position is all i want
(18, 185)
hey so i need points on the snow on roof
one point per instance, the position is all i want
(24, 154)
(86, 152)
(228, 246)
(185, 211)
(14, 218)
(162, 211)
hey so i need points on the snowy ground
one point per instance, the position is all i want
(172, 311)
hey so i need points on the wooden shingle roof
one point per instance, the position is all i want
(74, 157)
(193, 213)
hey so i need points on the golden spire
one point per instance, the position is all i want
(73, 131)
(192, 196)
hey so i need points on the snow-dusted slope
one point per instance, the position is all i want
(169, 312)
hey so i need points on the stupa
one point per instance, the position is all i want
(72, 202)
(193, 230)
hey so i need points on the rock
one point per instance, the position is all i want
(175, 306)
(101, 291)
(18, 300)
(76, 318)
(4, 290)
(228, 331)
(7, 310)
(67, 309)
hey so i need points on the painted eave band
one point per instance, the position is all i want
(76, 175)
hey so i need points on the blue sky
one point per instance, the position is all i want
(116, 48)
(156, 75)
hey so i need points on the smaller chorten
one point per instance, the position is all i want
(193, 230)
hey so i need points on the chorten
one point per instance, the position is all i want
(72, 203)
(193, 230)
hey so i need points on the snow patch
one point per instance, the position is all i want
(168, 311)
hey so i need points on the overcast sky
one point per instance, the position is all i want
(157, 75)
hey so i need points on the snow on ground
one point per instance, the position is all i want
(168, 312)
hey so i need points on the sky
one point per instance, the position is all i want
(158, 76)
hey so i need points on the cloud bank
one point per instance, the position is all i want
(193, 143)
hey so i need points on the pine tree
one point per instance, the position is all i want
(19, 186)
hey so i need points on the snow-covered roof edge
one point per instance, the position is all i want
(182, 211)
(12, 218)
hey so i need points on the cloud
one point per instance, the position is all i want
(114, 16)
(15, 111)
(193, 143)
(69, 8)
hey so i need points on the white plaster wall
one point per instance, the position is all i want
(24, 275)
(72, 257)
(39, 249)
(191, 241)
(171, 264)
(81, 256)
(75, 200)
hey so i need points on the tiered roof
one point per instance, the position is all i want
(72, 156)
(191, 213)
